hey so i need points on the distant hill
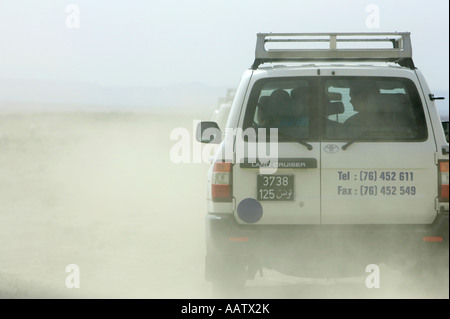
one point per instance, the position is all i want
(64, 96)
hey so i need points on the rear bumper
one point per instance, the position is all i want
(315, 245)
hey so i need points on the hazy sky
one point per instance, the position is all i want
(157, 43)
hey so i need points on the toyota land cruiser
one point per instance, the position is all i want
(333, 158)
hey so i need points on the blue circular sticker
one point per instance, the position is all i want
(250, 210)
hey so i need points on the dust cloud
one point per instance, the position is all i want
(99, 190)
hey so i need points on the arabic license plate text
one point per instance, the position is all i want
(275, 187)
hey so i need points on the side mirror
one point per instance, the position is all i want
(208, 132)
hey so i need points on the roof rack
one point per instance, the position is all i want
(289, 47)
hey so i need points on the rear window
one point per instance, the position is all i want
(288, 104)
(338, 108)
(372, 109)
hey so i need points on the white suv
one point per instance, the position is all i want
(333, 161)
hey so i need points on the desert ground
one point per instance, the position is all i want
(100, 191)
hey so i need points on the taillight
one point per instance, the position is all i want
(221, 183)
(443, 181)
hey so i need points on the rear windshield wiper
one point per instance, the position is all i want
(364, 134)
(353, 140)
(296, 139)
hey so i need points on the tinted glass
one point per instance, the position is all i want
(287, 104)
(372, 109)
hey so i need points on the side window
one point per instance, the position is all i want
(445, 127)
(373, 109)
(282, 103)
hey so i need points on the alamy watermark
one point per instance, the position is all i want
(73, 16)
(187, 149)
(73, 279)
(373, 16)
(373, 279)
(242, 146)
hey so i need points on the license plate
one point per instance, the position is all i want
(275, 187)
